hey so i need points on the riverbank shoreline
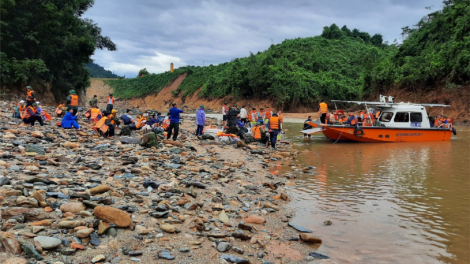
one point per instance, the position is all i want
(209, 199)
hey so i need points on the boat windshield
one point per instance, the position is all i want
(386, 117)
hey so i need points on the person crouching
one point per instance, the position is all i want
(104, 126)
(69, 120)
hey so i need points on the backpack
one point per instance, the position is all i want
(125, 131)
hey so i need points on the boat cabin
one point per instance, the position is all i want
(403, 115)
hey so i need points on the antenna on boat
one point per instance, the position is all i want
(382, 99)
(390, 99)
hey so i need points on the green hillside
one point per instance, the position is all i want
(301, 70)
(436, 52)
(96, 71)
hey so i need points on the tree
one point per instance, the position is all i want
(376, 40)
(51, 40)
(143, 72)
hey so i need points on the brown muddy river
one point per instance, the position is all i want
(389, 203)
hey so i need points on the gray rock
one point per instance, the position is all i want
(300, 229)
(101, 146)
(224, 247)
(35, 148)
(129, 140)
(4, 181)
(184, 249)
(165, 255)
(233, 259)
(48, 242)
(238, 250)
(31, 252)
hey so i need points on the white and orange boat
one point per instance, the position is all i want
(397, 122)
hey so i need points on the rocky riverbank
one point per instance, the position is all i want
(71, 197)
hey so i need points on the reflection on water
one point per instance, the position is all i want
(389, 203)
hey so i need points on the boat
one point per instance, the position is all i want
(397, 122)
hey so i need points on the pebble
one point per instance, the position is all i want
(48, 242)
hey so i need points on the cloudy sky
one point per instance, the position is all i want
(153, 33)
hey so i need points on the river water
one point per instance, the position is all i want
(389, 203)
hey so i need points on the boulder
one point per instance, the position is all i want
(113, 215)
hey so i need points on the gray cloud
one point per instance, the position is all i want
(152, 34)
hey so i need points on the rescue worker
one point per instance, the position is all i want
(30, 96)
(104, 126)
(69, 120)
(243, 115)
(259, 134)
(274, 128)
(281, 119)
(152, 121)
(94, 101)
(95, 114)
(200, 120)
(360, 118)
(261, 116)
(267, 115)
(114, 119)
(224, 115)
(174, 127)
(19, 109)
(232, 120)
(352, 120)
(252, 117)
(72, 102)
(30, 115)
(166, 124)
(61, 109)
(323, 110)
(332, 119)
(109, 106)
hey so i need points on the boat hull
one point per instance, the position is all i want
(386, 134)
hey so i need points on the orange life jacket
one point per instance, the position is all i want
(139, 122)
(268, 115)
(112, 101)
(256, 132)
(73, 100)
(377, 114)
(26, 115)
(30, 96)
(281, 119)
(354, 121)
(94, 114)
(274, 122)
(323, 108)
(111, 118)
(166, 124)
(252, 116)
(88, 113)
(100, 125)
(59, 109)
(209, 127)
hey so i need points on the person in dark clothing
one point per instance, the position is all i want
(30, 96)
(32, 115)
(174, 127)
(232, 120)
(307, 125)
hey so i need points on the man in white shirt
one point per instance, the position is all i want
(224, 114)
(243, 115)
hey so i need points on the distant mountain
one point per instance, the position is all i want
(96, 71)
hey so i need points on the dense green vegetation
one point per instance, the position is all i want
(301, 70)
(339, 64)
(96, 71)
(436, 52)
(47, 43)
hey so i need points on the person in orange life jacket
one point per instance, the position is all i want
(72, 102)
(40, 111)
(174, 127)
(323, 110)
(30, 115)
(61, 109)
(111, 127)
(267, 115)
(69, 120)
(259, 133)
(95, 114)
(110, 103)
(30, 96)
(360, 117)
(19, 109)
(274, 128)
(252, 117)
(352, 120)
